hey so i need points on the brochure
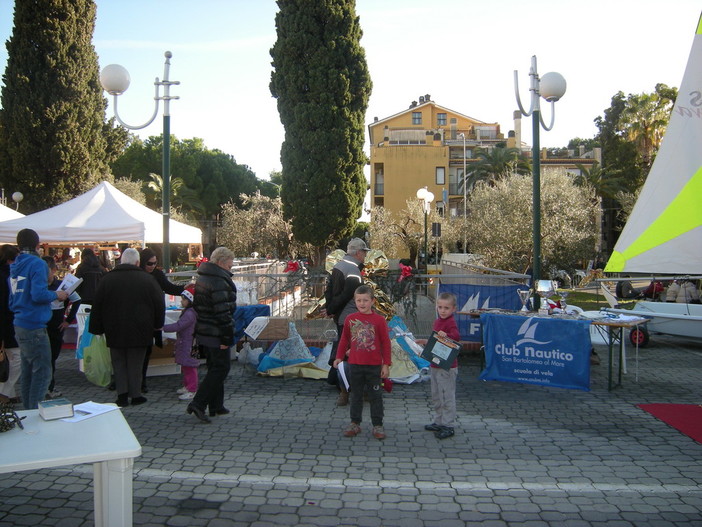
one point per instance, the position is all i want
(90, 409)
(70, 283)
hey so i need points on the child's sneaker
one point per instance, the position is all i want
(352, 430)
(446, 431)
(182, 390)
(187, 396)
(378, 432)
(432, 427)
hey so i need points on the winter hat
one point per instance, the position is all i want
(189, 292)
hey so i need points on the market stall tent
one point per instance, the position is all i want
(6, 213)
(103, 214)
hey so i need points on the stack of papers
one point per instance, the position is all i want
(90, 409)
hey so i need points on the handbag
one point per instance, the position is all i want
(196, 351)
(8, 418)
(4, 365)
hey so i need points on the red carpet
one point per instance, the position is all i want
(686, 418)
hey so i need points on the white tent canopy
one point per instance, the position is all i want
(6, 213)
(103, 214)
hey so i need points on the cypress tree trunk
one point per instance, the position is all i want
(54, 142)
(322, 85)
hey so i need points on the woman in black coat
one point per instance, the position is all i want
(214, 303)
(91, 272)
(148, 261)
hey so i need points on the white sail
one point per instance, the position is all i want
(664, 232)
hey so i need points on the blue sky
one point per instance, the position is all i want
(462, 52)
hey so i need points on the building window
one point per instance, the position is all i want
(455, 181)
(440, 176)
(416, 117)
(440, 119)
(379, 184)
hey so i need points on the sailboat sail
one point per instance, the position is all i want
(664, 232)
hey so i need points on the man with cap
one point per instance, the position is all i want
(345, 278)
(30, 301)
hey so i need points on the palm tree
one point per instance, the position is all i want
(645, 119)
(182, 197)
(495, 164)
(605, 182)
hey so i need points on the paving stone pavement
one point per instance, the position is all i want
(522, 455)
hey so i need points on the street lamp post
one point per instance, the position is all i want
(17, 197)
(115, 81)
(465, 198)
(551, 87)
(426, 197)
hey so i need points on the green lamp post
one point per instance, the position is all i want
(551, 87)
(115, 80)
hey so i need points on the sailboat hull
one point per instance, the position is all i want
(668, 318)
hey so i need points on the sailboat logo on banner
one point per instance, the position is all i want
(528, 331)
(664, 231)
(473, 303)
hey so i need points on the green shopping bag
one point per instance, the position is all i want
(96, 361)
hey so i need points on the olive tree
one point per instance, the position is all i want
(256, 226)
(403, 232)
(500, 220)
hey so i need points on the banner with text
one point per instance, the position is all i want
(472, 296)
(536, 350)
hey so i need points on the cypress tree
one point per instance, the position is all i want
(322, 85)
(54, 141)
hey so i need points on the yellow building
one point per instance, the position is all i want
(424, 146)
(429, 145)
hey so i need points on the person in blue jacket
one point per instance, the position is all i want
(30, 301)
(61, 318)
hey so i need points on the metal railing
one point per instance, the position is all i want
(297, 295)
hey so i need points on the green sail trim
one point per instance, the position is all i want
(682, 215)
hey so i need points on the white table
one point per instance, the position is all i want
(106, 441)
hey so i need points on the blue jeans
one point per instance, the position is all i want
(35, 351)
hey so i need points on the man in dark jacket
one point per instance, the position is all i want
(214, 303)
(345, 279)
(128, 306)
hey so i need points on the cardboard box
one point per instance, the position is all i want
(269, 328)
(165, 352)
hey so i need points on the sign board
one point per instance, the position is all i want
(537, 350)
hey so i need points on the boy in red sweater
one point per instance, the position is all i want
(443, 382)
(366, 340)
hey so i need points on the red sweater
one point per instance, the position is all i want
(448, 326)
(368, 338)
